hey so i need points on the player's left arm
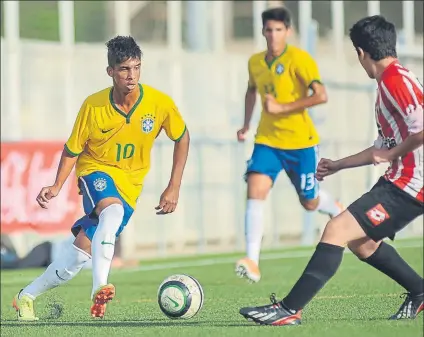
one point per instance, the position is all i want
(177, 131)
(180, 155)
(307, 71)
(408, 99)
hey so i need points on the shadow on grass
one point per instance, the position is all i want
(126, 324)
(162, 323)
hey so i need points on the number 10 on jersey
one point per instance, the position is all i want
(270, 89)
(124, 151)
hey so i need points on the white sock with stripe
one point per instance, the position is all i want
(328, 205)
(103, 244)
(60, 271)
(254, 228)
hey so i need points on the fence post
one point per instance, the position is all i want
(308, 222)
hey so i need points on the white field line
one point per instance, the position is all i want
(209, 262)
(227, 260)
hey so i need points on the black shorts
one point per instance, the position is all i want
(385, 210)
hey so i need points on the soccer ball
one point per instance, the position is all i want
(180, 296)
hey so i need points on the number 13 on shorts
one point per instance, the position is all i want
(307, 181)
(304, 172)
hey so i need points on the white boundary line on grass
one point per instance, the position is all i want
(204, 262)
(226, 260)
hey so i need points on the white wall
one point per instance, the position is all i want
(210, 213)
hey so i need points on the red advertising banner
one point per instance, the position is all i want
(26, 167)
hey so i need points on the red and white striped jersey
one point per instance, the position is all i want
(399, 113)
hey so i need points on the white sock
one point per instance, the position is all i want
(103, 244)
(60, 271)
(254, 228)
(327, 204)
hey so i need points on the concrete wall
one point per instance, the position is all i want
(209, 90)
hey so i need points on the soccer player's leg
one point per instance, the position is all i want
(372, 211)
(262, 170)
(112, 213)
(65, 267)
(376, 215)
(300, 166)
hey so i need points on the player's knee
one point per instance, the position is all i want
(363, 248)
(110, 219)
(342, 229)
(309, 205)
(258, 186)
(112, 214)
(334, 232)
(82, 242)
(105, 203)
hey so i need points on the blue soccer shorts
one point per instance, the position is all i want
(95, 187)
(300, 166)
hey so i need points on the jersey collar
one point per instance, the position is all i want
(269, 64)
(127, 116)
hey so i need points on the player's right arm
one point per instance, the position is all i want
(249, 104)
(73, 147)
(328, 167)
(366, 157)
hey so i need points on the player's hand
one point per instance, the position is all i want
(381, 156)
(46, 194)
(325, 168)
(241, 134)
(168, 200)
(271, 105)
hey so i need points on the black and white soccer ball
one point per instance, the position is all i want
(180, 296)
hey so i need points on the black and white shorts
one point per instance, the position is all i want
(385, 210)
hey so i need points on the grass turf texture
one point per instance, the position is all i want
(356, 302)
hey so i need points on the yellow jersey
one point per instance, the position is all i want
(119, 144)
(288, 77)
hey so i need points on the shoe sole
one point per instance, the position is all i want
(250, 319)
(243, 272)
(103, 296)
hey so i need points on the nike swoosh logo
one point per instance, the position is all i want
(57, 274)
(175, 303)
(107, 243)
(106, 131)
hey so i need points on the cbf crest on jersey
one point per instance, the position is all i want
(279, 69)
(148, 123)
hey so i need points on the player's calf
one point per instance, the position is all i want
(386, 259)
(258, 188)
(60, 271)
(103, 243)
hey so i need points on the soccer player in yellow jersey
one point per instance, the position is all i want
(286, 137)
(110, 145)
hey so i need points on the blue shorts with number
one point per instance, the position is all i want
(300, 165)
(95, 187)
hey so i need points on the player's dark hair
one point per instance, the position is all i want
(281, 14)
(376, 36)
(122, 48)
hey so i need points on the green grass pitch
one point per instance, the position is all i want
(355, 303)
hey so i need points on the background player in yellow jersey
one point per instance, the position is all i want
(110, 145)
(286, 137)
